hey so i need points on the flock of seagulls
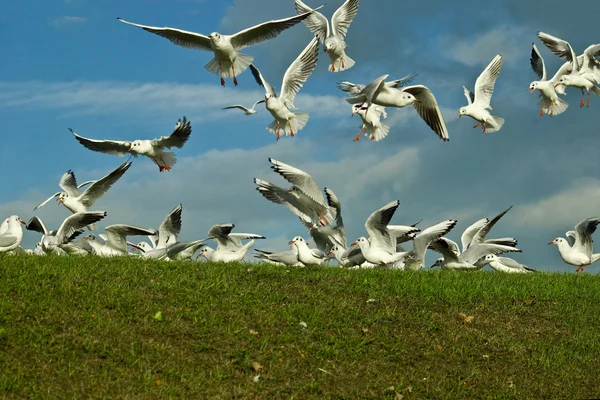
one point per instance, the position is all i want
(320, 211)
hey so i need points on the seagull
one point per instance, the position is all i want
(397, 94)
(349, 257)
(306, 255)
(229, 245)
(4, 226)
(477, 232)
(247, 111)
(153, 149)
(79, 247)
(93, 193)
(332, 38)
(468, 259)
(549, 102)
(116, 242)
(505, 264)
(168, 232)
(305, 189)
(70, 228)
(227, 63)
(279, 106)
(288, 258)
(479, 102)
(580, 253)
(585, 73)
(13, 235)
(380, 248)
(323, 235)
(68, 183)
(423, 239)
(184, 250)
(371, 121)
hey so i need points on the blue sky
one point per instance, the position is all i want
(70, 63)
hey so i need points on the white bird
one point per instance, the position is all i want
(585, 73)
(116, 239)
(68, 184)
(423, 239)
(380, 248)
(323, 235)
(467, 260)
(79, 247)
(153, 149)
(228, 62)
(306, 255)
(279, 106)
(349, 257)
(478, 106)
(168, 233)
(184, 250)
(332, 37)
(505, 264)
(371, 121)
(13, 235)
(247, 111)
(4, 226)
(580, 254)
(548, 89)
(397, 94)
(229, 245)
(84, 201)
(70, 228)
(287, 258)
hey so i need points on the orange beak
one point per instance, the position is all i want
(85, 238)
(23, 222)
(210, 37)
(557, 85)
(291, 242)
(354, 243)
(289, 190)
(59, 201)
(131, 148)
(417, 101)
(552, 242)
(531, 90)
(330, 252)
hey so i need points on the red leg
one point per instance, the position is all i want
(484, 125)
(277, 136)
(476, 126)
(343, 63)
(221, 75)
(357, 138)
(234, 78)
(581, 100)
(373, 133)
(580, 269)
(333, 66)
(166, 166)
(291, 130)
(552, 109)
(587, 103)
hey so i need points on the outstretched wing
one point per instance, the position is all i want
(180, 135)
(537, 63)
(300, 179)
(262, 81)
(429, 110)
(316, 22)
(298, 72)
(484, 85)
(114, 147)
(343, 16)
(190, 40)
(100, 187)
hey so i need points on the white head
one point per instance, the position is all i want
(357, 109)
(533, 86)
(462, 111)
(491, 257)
(297, 241)
(330, 45)
(362, 242)
(559, 242)
(15, 222)
(564, 80)
(437, 262)
(409, 98)
(139, 146)
(141, 245)
(205, 252)
(61, 198)
(215, 37)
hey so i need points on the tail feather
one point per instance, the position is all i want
(494, 124)
(297, 122)
(167, 158)
(595, 257)
(381, 132)
(241, 63)
(596, 90)
(560, 106)
(341, 64)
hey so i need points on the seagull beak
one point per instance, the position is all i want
(459, 115)
(291, 242)
(330, 252)
(130, 149)
(23, 222)
(417, 101)
(552, 242)
(85, 238)
(354, 243)
(210, 37)
(59, 201)
(531, 90)
(289, 190)
(557, 85)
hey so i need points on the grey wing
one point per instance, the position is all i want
(47, 200)
(298, 72)
(371, 90)
(241, 107)
(509, 262)
(190, 40)
(469, 95)
(429, 110)
(316, 22)
(116, 234)
(169, 229)
(565, 69)
(76, 222)
(511, 242)
(101, 186)
(316, 253)
(179, 247)
(376, 226)
(220, 233)
(343, 16)
(404, 81)
(279, 195)
(8, 240)
(590, 60)
(424, 238)
(265, 31)
(481, 235)
(114, 147)
(559, 47)
(262, 81)
(68, 183)
(180, 135)
(467, 236)
(353, 89)
(537, 63)
(300, 179)
(334, 202)
(477, 251)
(444, 247)
(37, 225)
(583, 233)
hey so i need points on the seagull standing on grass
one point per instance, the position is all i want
(229, 245)
(116, 239)
(247, 111)
(306, 255)
(228, 62)
(279, 106)
(508, 265)
(168, 232)
(13, 235)
(580, 254)
(153, 149)
(478, 106)
(332, 36)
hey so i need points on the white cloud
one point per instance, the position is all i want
(67, 20)
(565, 208)
(204, 101)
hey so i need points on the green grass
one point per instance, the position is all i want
(86, 328)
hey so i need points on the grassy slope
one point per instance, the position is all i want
(72, 327)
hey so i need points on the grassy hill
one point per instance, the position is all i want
(91, 327)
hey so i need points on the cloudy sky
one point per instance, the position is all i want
(70, 63)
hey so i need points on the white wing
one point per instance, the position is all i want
(317, 23)
(429, 110)
(101, 186)
(76, 222)
(169, 229)
(262, 81)
(300, 179)
(180, 135)
(469, 95)
(467, 236)
(429, 235)
(484, 85)
(583, 234)
(537, 63)
(342, 18)
(116, 234)
(114, 147)
(241, 107)
(559, 47)
(190, 40)
(376, 226)
(281, 196)
(298, 73)
(265, 31)
(477, 251)
(482, 233)
(47, 200)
